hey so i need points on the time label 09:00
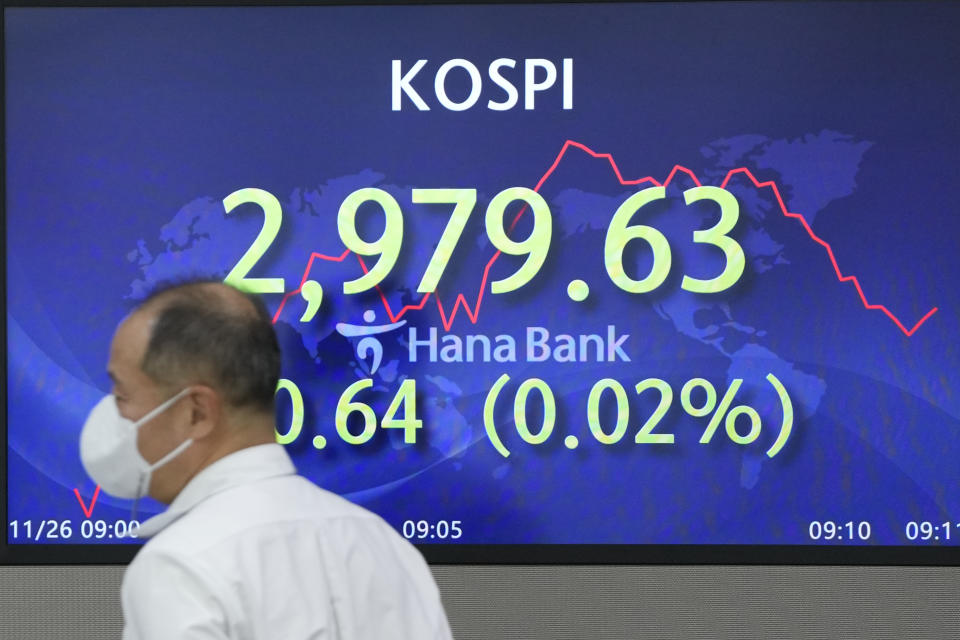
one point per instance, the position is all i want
(64, 530)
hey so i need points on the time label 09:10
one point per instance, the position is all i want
(914, 531)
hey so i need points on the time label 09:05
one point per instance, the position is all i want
(429, 530)
(65, 530)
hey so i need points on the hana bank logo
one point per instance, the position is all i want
(539, 75)
(364, 340)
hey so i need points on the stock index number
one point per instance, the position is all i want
(499, 226)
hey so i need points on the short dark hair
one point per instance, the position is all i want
(208, 332)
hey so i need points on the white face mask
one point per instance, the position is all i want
(109, 453)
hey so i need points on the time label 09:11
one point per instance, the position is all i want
(914, 531)
(926, 531)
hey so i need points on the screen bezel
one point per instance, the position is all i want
(456, 554)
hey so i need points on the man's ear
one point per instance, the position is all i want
(206, 407)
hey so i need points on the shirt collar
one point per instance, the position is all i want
(238, 468)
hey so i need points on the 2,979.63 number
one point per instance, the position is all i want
(621, 231)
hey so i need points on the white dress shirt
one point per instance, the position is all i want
(250, 550)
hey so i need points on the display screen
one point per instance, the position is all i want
(548, 279)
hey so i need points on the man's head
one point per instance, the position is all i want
(214, 341)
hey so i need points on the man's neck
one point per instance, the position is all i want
(236, 433)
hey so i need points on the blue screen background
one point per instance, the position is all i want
(126, 128)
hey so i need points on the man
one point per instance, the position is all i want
(247, 548)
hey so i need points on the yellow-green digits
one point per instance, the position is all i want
(406, 395)
(296, 414)
(536, 245)
(272, 218)
(736, 260)
(593, 411)
(387, 246)
(646, 435)
(619, 234)
(345, 408)
(719, 411)
(465, 200)
(520, 411)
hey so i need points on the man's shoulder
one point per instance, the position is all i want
(284, 540)
(292, 526)
(257, 509)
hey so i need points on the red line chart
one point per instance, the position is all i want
(447, 317)
(472, 312)
(87, 511)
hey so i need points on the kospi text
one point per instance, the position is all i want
(410, 83)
